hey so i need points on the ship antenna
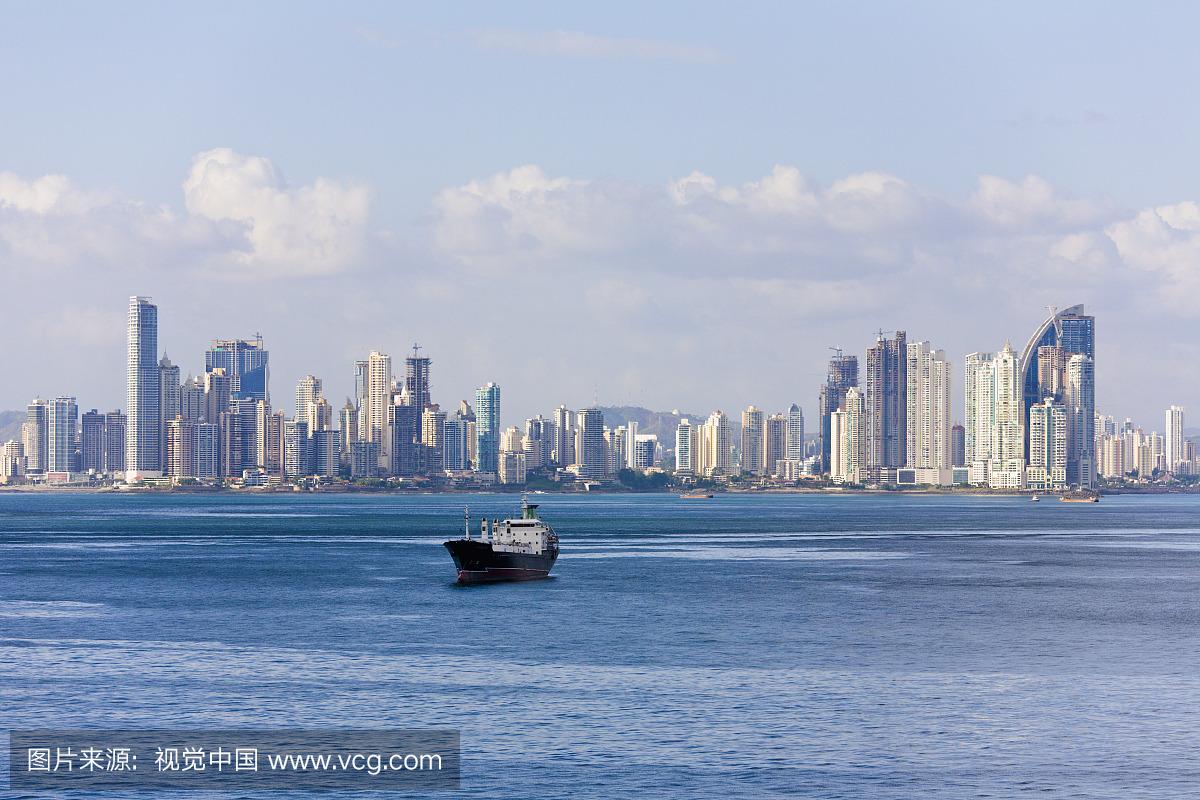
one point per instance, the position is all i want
(467, 521)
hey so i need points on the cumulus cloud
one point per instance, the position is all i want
(586, 45)
(242, 219)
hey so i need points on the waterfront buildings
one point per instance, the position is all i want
(143, 458)
(775, 444)
(929, 415)
(795, 434)
(1174, 436)
(842, 376)
(685, 448)
(246, 362)
(1048, 437)
(753, 442)
(36, 438)
(378, 427)
(487, 428)
(886, 403)
(62, 420)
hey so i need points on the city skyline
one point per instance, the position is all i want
(284, 203)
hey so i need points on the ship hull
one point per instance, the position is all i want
(477, 562)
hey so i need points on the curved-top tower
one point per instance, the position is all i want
(1074, 333)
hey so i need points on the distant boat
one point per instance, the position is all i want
(1035, 499)
(1081, 496)
(694, 496)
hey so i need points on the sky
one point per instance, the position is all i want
(681, 206)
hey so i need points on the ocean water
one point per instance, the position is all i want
(744, 646)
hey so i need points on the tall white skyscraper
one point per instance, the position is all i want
(795, 434)
(1006, 466)
(1048, 438)
(378, 426)
(685, 448)
(714, 447)
(564, 437)
(929, 413)
(1175, 438)
(142, 456)
(971, 366)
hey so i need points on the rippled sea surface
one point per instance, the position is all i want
(744, 646)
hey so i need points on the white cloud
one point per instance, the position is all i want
(313, 230)
(586, 45)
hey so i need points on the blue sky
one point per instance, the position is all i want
(683, 205)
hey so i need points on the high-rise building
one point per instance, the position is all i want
(564, 437)
(60, 444)
(795, 434)
(685, 448)
(143, 459)
(1071, 331)
(843, 375)
(36, 438)
(378, 427)
(362, 387)
(853, 429)
(1112, 456)
(958, 446)
(191, 399)
(929, 412)
(715, 445)
(775, 442)
(1080, 400)
(886, 402)
(246, 363)
(591, 460)
(208, 451)
(971, 439)
(168, 401)
(457, 448)
(12, 460)
(91, 441)
(1047, 446)
(295, 443)
(754, 443)
(1006, 465)
(416, 379)
(348, 427)
(408, 452)
(308, 395)
(181, 448)
(1175, 439)
(218, 388)
(644, 449)
(433, 436)
(487, 428)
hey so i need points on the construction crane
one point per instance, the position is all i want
(882, 333)
(837, 350)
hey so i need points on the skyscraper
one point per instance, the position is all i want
(143, 458)
(753, 442)
(775, 444)
(246, 363)
(1175, 439)
(591, 460)
(795, 434)
(714, 446)
(378, 428)
(929, 412)
(60, 441)
(1080, 399)
(1047, 446)
(308, 396)
(886, 402)
(564, 437)
(36, 439)
(169, 402)
(971, 366)
(843, 375)
(685, 448)
(1074, 333)
(1006, 465)
(416, 379)
(487, 428)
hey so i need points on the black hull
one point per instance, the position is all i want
(476, 562)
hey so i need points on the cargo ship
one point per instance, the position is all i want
(1080, 496)
(521, 549)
